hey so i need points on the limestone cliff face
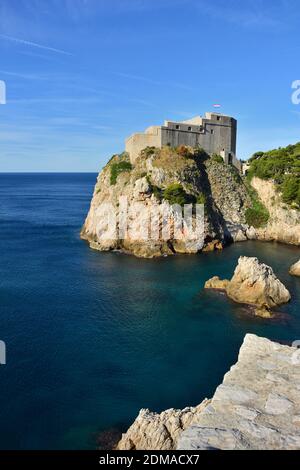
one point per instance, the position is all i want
(284, 223)
(199, 178)
(256, 407)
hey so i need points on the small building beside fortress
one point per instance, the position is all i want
(215, 133)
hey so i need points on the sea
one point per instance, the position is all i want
(91, 337)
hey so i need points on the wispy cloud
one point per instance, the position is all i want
(34, 44)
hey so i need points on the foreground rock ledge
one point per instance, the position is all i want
(258, 404)
(253, 283)
(159, 431)
(256, 407)
(295, 269)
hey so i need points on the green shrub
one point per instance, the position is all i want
(157, 192)
(257, 216)
(201, 198)
(175, 194)
(290, 189)
(148, 151)
(282, 165)
(117, 168)
(217, 158)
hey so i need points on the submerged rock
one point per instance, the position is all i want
(295, 269)
(213, 246)
(216, 283)
(253, 283)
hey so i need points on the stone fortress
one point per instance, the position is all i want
(215, 133)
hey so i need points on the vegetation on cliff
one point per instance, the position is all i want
(175, 194)
(118, 164)
(257, 215)
(281, 165)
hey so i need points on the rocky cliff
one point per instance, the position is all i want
(160, 178)
(163, 177)
(284, 222)
(256, 407)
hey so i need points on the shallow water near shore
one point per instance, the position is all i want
(93, 337)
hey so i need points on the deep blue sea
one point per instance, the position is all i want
(93, 337)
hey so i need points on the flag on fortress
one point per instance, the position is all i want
(216, 105)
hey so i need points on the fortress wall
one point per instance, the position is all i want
(137, 142)
(215, 134)
(174, 137)
(218, 138)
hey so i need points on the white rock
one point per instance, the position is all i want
(295, 269)
(277, 404)
(255, 283)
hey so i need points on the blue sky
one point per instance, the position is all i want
(81, 75)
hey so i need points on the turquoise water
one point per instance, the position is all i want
(93, 337)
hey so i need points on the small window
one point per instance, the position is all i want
(211, 131)
(177, 126)
(218, 118)
(189, 128)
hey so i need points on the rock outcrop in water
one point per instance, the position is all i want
(295, 269)
(256, 407)
(217, 283)
(253, 283)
